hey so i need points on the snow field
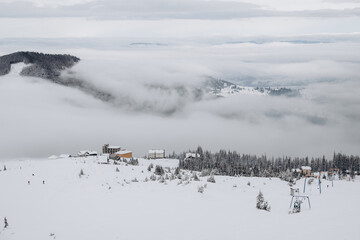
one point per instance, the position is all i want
(105, 204)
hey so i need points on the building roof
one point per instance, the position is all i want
(192, 155)
(83, 152)
(123, 152)
(157, 151)
(113, 147)
(305, 167)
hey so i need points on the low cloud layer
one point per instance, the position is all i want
(154, 106)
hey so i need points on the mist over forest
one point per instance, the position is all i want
(154, 105)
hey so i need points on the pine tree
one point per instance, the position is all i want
(259, 200)
(159, 170)
(196, 178)
(81, 173)
(152, 177)
(211, 179)
(261, 203)
(6, 223)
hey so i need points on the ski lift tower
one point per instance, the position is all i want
(312, 176)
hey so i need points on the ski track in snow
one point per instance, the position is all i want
(106, 204)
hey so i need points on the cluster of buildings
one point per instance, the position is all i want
(114, 152)
(83, 153)
(86, 153)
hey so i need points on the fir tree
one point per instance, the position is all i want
(261, 203)
(196, 178)
(159, 170)
(81, 173)
(5, 223)
(211, 179)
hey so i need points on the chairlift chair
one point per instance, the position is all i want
(296, 208)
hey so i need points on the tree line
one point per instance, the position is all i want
(232, 163)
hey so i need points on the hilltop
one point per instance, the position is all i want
(48, 66)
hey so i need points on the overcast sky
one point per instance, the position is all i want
(175, 18)
(312, 45)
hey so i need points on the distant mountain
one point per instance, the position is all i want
(48, 66)
(222, 88)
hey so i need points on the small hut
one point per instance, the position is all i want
(306, 170)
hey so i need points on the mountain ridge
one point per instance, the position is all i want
(48, 66)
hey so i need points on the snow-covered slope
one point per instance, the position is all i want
(110, 204)
(16, 69)
(222, 88)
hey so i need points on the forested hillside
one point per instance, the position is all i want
(233, 163)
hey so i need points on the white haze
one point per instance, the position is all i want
(39, 118)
